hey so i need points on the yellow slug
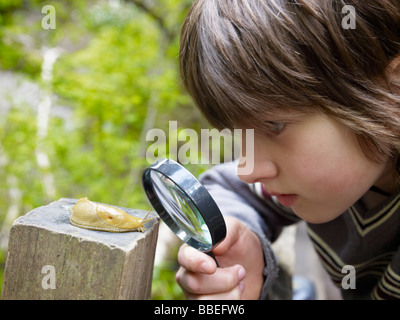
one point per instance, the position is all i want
(89, 215)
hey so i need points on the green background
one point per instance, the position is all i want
(114, 78)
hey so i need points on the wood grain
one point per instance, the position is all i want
(88, 264)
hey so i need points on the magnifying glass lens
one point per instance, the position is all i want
(186, 221)
(184, 204)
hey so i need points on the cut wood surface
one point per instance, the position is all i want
(48, 258)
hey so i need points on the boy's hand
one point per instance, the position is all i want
(241, 273)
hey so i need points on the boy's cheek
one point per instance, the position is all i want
(337, 184)
(329, 171)
(327, 195)
(325, 192)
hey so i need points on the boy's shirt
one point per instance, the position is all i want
(366, 237)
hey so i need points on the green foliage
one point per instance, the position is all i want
(164, 286)
(12, 55)
(117, 69)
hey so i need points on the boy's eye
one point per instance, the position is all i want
(276, 127)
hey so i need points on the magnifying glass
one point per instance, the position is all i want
(184, 204)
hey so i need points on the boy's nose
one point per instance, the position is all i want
(262, 170)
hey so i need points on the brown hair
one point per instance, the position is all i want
(240, 59)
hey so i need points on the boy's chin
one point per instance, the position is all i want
(317, 216)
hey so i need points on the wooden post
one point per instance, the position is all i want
(48, 258)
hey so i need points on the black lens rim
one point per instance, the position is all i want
(194, 191)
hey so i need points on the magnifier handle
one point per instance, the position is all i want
(212, 256)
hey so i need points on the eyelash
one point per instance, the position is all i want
(276, 127)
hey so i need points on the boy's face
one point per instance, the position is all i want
(315, 166)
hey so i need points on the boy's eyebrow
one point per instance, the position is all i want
(284, 116)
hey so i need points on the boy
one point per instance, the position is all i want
(324, 102)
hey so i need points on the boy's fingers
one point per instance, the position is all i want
(234, 294)
(195, 261)
(222, 281)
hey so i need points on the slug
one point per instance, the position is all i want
(89, 215)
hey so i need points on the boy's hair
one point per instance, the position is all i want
(244, 60)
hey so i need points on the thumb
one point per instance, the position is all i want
(234, 231)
